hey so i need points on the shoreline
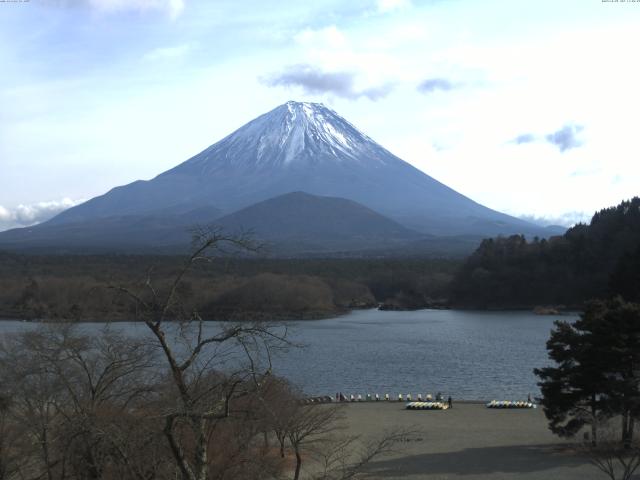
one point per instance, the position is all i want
(295, 317)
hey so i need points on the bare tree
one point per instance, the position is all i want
(36, 395)
(348, 457)
(279, 403)
(316, 431)
(616, 459)
(191, 350)
(105, 378)
(12, 459)
(71, 393)
(310, 428)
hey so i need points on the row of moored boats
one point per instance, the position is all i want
(427, 406)
(387, 398)
(510, 404)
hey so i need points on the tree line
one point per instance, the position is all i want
(76, 287)
(588, 261)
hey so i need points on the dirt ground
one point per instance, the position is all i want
(469, 442)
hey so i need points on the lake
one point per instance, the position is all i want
(469, 355)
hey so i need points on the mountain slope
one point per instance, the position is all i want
(300, 221)
(140, 233)
(290, 224)
(302, 147)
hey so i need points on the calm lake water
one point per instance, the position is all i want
(467, 354)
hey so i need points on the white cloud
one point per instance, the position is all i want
(167, 53)
(373, 61)
(385, 6)
(566, 137)
(5, 215)
(315, 81)
(329, 36)
(26, 215)
(566, 219)
(173, 8)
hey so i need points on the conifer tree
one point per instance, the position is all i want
(597, 371)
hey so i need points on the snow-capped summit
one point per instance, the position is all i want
(300, 133)
(300, 147)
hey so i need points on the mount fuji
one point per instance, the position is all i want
(297, 147)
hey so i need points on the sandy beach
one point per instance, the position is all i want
(471, 442)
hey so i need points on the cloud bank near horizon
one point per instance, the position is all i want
(27, 215)
(567, 219)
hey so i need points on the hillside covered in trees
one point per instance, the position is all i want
(588, 261)
(58, 287)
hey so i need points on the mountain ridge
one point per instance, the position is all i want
(296, 147)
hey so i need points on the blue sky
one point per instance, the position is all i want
(528, 107)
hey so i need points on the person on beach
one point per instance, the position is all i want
(450, 402)
(528, 397)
